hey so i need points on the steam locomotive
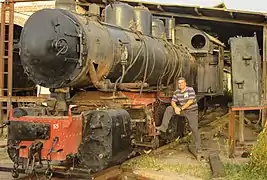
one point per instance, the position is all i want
(110, 82)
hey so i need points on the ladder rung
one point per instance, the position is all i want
(5, 72)
(5, 57)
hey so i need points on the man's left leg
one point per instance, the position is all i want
(192, 117)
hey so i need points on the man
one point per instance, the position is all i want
(186, 98)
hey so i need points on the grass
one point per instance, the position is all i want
(243, 172)
(199, 170)
(256, 168)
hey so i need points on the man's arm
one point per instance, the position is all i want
(191, 99)
(174, 105)
(174, 101)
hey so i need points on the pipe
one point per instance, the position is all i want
(93, 76)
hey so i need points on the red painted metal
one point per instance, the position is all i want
(67, 128)
(143, 100)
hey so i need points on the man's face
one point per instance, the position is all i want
(181, 84)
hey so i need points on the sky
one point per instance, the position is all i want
(248, 5)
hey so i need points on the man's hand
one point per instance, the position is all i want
(177, 110)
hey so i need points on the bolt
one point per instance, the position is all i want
(100, 156)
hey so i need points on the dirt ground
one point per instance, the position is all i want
(4, 161)
(176, 162)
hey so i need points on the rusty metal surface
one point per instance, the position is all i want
(23, 99)
(143, 19)
(158, 29)
(136, 57)
(195, 39)
(120, 14)
(170, 25)
(232, 125)
(248, 108)
(208, 54)
(246, 71)
(67, 128)
(264, 73)
(106, 139)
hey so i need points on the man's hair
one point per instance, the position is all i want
(181, 78)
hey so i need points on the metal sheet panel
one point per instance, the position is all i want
(208, 74)
(246, 71)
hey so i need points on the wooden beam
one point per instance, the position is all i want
(231, 131)
(241, 126)
(2, 54)
(216, 165)
(10, 54)
(264, 73)
(178, 15)
(160, 8)
(231, 14)
(196, 10)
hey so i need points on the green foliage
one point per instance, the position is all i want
(242, 172)
(258, 160)
(256, 168)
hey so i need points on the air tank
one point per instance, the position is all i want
(120, 14)
(158, 28)
(143, 19)
(83, 53)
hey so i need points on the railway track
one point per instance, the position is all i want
(113, 173)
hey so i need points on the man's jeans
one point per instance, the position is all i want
(191, 116)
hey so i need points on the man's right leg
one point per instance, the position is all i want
(169, 112)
